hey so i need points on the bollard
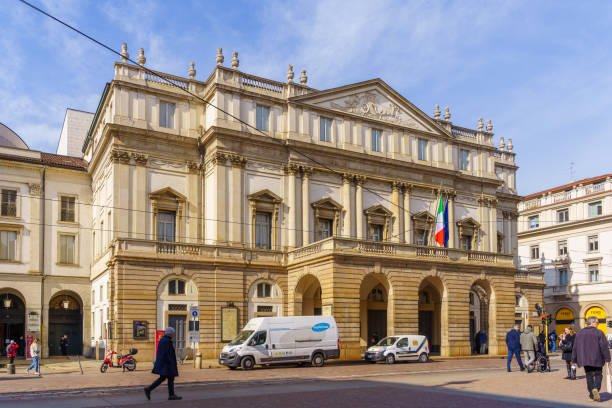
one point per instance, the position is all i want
(198, 360)
(10, 368)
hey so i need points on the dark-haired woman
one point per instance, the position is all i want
(566, 344)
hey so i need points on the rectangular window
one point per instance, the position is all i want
(262, 116)
(466, 242)
(67, 209)
(535, 252)
(324, 229)
(67, 249)
(422, 149)
(325, 129)
(563, 276)
(464, 159)
(263, 227)
(376, 232)
(593, 273)
(595, 209)
(166, 226)
(376, 140)
(8, 208)
(8, 245)
(562, 245)
(593, 243)
(166, 115)
(534, 221)
(563, 215)
(422, 237)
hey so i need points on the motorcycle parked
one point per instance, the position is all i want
(125, 361)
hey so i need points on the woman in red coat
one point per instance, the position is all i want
(11, 351)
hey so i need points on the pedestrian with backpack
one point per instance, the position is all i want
(11, 351)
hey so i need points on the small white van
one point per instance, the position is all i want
(399, 348)
(273, 340)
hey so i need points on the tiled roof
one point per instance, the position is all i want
(566, 186)
(59, 160)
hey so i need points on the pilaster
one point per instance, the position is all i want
(407, 216)
(346, 205)
(395, 208)
(291, 213)
(359, 180)
(306, 172)
(139, 196)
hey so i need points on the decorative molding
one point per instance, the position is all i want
(35, 189)
(119, 156)
(193, 167)
(360, 179)
(140, 159)
(161, 163)
(219, 158)
(238, 161)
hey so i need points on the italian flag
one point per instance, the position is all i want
(441, 235)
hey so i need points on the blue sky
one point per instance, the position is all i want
(541, 71)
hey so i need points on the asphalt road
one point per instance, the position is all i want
(456, 384)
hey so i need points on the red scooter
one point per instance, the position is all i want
(125, 361)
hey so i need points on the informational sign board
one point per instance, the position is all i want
(194, 336)
(33, 322)
(229, 323)
(194, 312)
(29, 341)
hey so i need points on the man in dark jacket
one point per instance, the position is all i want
(513, 341)
(165, 365)
(591, 352)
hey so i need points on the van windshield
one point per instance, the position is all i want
(387, 341)
(241, 337)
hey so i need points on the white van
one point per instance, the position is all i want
(273, 340)
(399, 348)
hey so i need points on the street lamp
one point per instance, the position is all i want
(7, 302)
(66, 304)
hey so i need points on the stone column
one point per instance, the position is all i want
(493, 225)
(236, 200)
(395, 209)
(291, 230)
(306, 206)
(451, 220)
(359, 180)
(346, 205)
(407, 216)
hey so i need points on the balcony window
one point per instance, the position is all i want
(166, 115)
(421, 237)
(325, 126)
(324, 228)
(262, 117)
(534, 221)
(176, 287)
(264, 290)
(67, 213)
(464, 159)
(8, 245)
(562, 245)
(376, 140)
(563, 215)
(67, 249)
(466, 242)
(563, 276)
(535, 252)
(8, 207)
(593, 273)
(166, 226)
(376, 232)
(263, 228)
(593, 243)
(595, 209)
(422, 149)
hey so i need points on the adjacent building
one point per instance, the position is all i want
(244, 196)
(566, 233)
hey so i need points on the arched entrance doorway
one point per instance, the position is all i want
(12, 318)
(373, 300)
(430, 311)
(175, 295)
(65, 318)
(480, 300)
(564, 318)
(600, 314)
(308, 297)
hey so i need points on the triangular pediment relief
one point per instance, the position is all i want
(167, 193)
(265, 195)
(468, 223)
(327, 203)
(378, 210)
(424, 216)
(373, 100)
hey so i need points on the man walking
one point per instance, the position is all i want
(529, 344)
(64, 345)
(591, 352)
(483, 342)
(513, 341)
(165, 365)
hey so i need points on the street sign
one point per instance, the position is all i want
(194, 311)
(194, 336)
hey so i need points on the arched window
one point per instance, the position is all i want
(264, 290)
(377, 295)
(176, 287)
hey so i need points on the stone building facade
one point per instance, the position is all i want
(566, 233)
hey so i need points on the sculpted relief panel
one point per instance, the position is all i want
(371, 104)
